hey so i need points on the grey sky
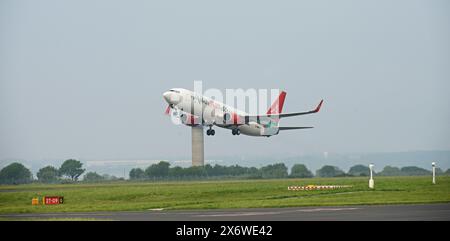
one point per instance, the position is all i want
(84, 79)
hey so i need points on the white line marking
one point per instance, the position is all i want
(155, 209)
(238, 214)
(274, 213)
(325, 209)
(233, 214)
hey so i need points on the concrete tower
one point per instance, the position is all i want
(198, 145)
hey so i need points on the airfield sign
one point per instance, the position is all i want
(53, 200)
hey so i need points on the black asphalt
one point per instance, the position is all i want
(344, 213)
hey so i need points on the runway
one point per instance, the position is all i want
(344, 213)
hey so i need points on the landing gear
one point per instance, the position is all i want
(210, 131)
(236, 131)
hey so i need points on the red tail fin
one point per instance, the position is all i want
(277, 106)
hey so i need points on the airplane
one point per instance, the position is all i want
(196, 110)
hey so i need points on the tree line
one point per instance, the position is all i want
(16, 173)
(70, 171)
(163, 171)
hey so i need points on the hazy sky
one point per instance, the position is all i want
(85, 79)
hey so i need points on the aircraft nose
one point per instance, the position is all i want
(166, 96)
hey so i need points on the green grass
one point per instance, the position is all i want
(126, 196)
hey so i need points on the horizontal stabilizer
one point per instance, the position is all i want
(294, 128)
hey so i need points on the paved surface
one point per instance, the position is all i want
(344, 213)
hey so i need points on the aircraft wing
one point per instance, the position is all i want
(282, 115)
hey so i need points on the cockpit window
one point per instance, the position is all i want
(176, 91)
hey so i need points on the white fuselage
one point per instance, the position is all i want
(208, 112)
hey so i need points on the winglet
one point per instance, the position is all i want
(318, 107)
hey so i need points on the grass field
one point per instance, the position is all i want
(223, 194)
